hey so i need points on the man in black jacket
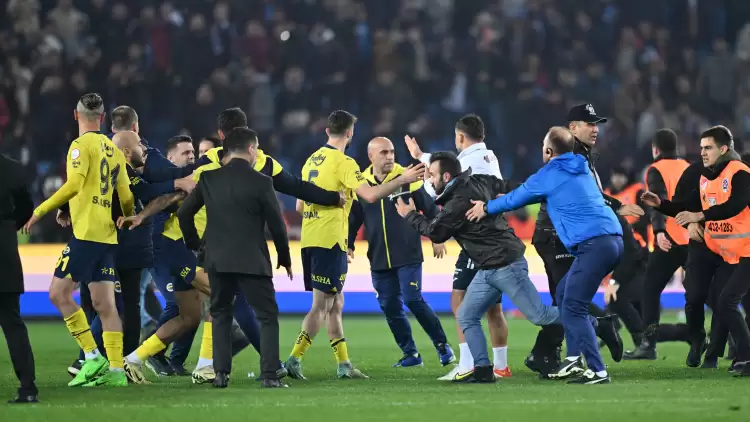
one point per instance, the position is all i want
(395, 252)
(239, 203)
(16, 208)
(583, 123)
(718, 268)
(492, 245)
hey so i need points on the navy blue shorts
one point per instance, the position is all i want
(84, 261)
(324, 269)
(174, 268)
(465, 271)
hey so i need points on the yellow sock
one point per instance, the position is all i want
(340, 350)
(113, 345)
(80, 330)
(207, 341)
(301, 345)
(150, 347)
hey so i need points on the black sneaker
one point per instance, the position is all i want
(737, 367)
(478, 375)
(567, 369)
(533, 362)
(589, 377)
(607, 331)
(159, 365)
(645, 351)
(75, 368)
(697, 349)
(179, 370)
(745, 371)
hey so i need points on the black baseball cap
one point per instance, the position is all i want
(584, 113)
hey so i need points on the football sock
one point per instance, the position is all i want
(150, 347)
(340, 350)
(207, 347)
(465, 360)
(500, 355)
(301, 345)
(79, 328)
(601, 374)
(113, 345)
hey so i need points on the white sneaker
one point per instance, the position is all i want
(450, 375)
(204, 375)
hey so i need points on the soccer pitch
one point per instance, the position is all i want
(642, 391)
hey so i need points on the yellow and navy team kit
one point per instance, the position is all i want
(90, 254)
(325, 228)
(174, 264)
(391, 241)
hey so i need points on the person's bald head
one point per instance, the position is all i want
(558, 141)
(130, 144)
(381, 154)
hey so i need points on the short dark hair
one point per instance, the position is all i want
(665, 140)
(240, 139)
(561, 140)
(721, 135)
(214, 140)
(340, 121)
(231, 118)
(123, 118)
(448, 162)
(177, 140)
(471, 125)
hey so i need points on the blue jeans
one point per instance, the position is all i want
(595, 258)
(397, 286)
(483, 293)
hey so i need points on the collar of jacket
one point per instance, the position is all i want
(369, 174)
(722, 162)
(666, 156)
(476, 147)
(450, 189)
(237, 162)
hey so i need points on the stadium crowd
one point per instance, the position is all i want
(402, 66)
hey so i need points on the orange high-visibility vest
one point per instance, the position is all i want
(629, 196)
(671, 170)
(729, 238)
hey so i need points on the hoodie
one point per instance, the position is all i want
(574, 201)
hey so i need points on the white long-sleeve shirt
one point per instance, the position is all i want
(477, 157)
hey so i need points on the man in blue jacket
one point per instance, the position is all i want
(591, 232)
(394, 249)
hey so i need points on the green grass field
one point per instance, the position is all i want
(641, 391)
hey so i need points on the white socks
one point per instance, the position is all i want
(572, 358)
(134, 359)
(93, 354)
(465, 360)
(203, 362)
(500, 357)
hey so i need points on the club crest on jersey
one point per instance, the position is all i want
(75, 154)
(725, 185)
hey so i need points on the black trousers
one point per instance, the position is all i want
(19, 347)
(660, 268)
(130, 286)
(727, 308)
(261, 296)
(557, 261)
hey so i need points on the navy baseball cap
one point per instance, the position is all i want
(585, 113)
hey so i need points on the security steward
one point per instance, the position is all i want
(670, 251)
(395, 254)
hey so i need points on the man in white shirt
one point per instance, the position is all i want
(473, 153)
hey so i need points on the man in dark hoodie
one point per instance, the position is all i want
(498, 254)
(725, 194)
